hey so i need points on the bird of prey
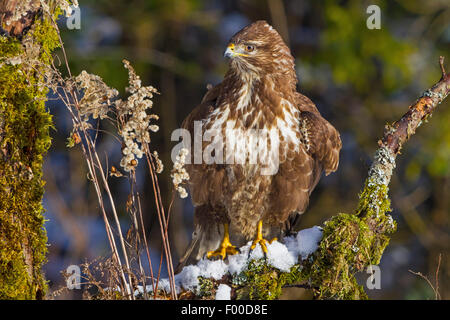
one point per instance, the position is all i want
(234, 200)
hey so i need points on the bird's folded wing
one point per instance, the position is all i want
(322, 140)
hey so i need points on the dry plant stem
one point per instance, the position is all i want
(132, 211)
(438, 295)
(109, 232)
(91, 166)
(91, 149)
(147, 249)
(90, 163)
(159, 269)
(140, 228)
(168, 218)
(66, 61)
(111, 199)
(166, 222)
(162, 223)
(92, 171)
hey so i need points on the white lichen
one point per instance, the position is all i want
(380, 174)
(21, 9)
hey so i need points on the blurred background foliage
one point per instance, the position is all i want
(360, 80)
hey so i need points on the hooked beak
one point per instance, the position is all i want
(229, 53)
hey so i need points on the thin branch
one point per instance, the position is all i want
(441, 64)
(397, 134)
(435, 288)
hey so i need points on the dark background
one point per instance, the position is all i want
(360, 79)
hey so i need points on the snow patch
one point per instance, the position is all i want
(279, 256)
(305, 242)
(212, 269)
(223, 292)
(188, 277)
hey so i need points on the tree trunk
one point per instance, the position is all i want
(27, 39)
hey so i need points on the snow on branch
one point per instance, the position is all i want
(224, 280)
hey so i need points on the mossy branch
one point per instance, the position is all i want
(350, 242)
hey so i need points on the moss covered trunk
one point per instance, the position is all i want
(26, 42)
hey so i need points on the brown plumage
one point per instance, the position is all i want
(258, 92)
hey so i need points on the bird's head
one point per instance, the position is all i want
(258, 49)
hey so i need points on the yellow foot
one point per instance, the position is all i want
(225, 248)
(263, 243)
(223, 251)
(259, 239)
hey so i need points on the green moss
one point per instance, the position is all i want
(350, 243)
(374, 200)
(47, 37)
(24, 139)
(9, 47)
(260, 281)
(342, 251)
(205, 287)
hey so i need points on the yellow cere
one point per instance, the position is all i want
(232, 47)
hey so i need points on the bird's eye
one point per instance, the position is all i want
(249, 48)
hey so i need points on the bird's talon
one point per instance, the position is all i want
(225, 249)
(261, 241)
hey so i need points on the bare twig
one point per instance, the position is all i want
(435, 288)
(441, 64)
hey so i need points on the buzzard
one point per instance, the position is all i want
(236, 201)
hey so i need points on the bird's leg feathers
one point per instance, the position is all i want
(225, 247)
(259, 239)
